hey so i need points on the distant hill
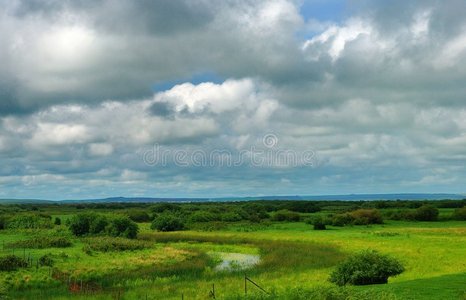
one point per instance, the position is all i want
(350, 197)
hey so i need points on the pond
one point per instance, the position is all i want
(231, 261)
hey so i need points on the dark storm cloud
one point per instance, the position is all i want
(135, 17)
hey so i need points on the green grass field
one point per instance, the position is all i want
(295, 263)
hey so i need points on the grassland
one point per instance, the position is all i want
(295, 262)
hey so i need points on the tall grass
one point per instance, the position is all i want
(275, 255)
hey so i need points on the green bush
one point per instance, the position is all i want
(318, 223)
(80, 224)
(122, 226)
(403, 214)
(231, 217)
(29, 221)
(342, 219)
(460, 214)
(85, 224)
(301, 206)
(203, 216)
(12, 263)
(108, 244)
(57, 221)
(366, 216)
(367, 267)
(426, 213)
(3, 222)
(165, 207)
(358, 217)
(97, 224)
(139, 216)
(42, 243)
(286, 215)
(167, 222)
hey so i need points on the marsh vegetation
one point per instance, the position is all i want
(165, 250)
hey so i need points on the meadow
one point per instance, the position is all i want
(294, 260)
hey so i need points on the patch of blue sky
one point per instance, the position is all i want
(319, 13)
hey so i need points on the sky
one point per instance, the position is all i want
(196, 98)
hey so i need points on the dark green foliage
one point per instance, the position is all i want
(29, 221)
(460, 214)
(342, 219)
(231, 217)
(203, 216)
(426, 213)
(84, 224)
(57, 221)
(401, 214)
(286, 215)
(167, 222)
(42, 243)
(46, 260)
(122, 226)
(12, 263)
(80, 224)
(301, 206)
(97, 224)
(367, 267)
(139, 216)
(108, 244)
(318, 223)
(165, 207)
(358, 217)
(366, 217)
(3, 222)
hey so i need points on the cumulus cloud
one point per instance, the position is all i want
(378, 95)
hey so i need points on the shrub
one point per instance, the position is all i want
(139, 216)
(163, 207)
(29, 221)
(107, 244)
(231, 217)
(80, 224)
(406, 215)
(367, 267)
(57, 221)
(286, 215)
(46, 260)
(342, 219)
(42, 243)
(358, 217)
(85, 224)
(426, 213)
(97, 223)
(123, 227)
(301, 206)
(366, 217)
(167, 223)
(460, 214)
(11, 263)
(3, 222)
(203, 216)
(319, 223)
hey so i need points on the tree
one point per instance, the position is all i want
(167, 222)
(426, 213)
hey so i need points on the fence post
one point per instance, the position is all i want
(245, 285)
